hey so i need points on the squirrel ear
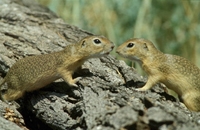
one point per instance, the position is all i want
(83, 43)
(146, 47)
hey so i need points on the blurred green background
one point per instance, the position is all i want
(173, 25)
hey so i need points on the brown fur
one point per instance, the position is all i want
(34, 72)
(175, 72)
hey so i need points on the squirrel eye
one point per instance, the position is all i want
(97, 41)
(130, 45)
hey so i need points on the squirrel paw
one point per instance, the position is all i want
(140, 89)
(75, 81)
(73, 85)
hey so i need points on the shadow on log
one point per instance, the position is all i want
(105, 98)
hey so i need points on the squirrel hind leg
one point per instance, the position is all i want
(192, 103)
(11, 95)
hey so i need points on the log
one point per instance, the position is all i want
(106, 97)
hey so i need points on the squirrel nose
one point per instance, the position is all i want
(117, 50)
(112, 47)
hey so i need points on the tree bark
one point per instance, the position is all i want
(105, 98)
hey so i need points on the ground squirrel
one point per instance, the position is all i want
(175, 72)
(34, 72)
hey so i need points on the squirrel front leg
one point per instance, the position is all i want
(152, 80)
(67, 76)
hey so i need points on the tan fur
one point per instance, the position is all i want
(175, 72)
(34, 72)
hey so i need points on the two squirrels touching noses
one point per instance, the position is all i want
(34, 72)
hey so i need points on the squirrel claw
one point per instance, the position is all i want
(137, 89)
(73, 84)
(77, 79)
(140, 90)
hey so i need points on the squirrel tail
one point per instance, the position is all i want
(2, 82)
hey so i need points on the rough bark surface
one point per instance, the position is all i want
(105, 98)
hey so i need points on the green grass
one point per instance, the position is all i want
(173, 25)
